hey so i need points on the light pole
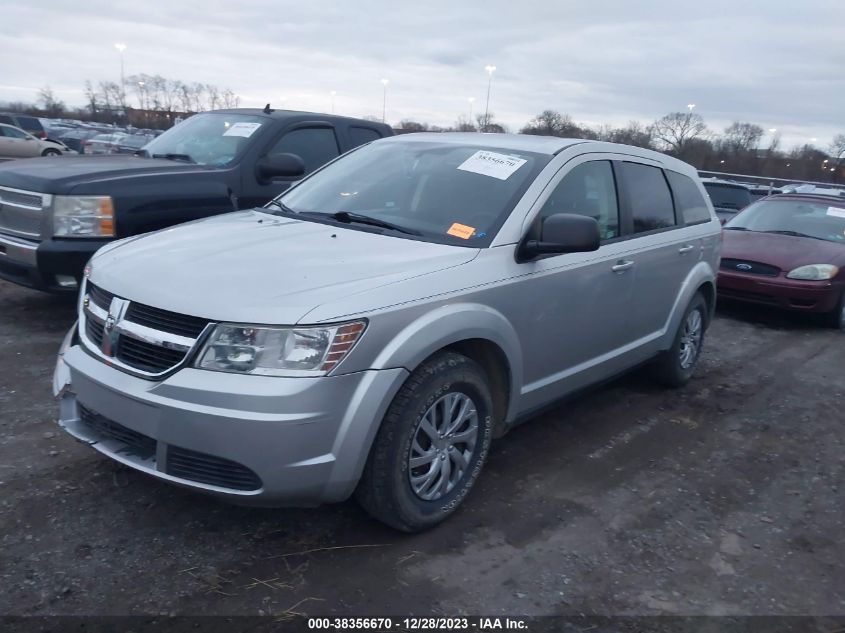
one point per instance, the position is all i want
(334, 94)
(121, 48)
(141, 99)
(489, 68)
(384, 83)
(471, 101)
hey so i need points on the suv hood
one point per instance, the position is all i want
(784, 251)
(48, 175)
(253, 267)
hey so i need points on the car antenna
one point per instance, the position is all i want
(267, 109)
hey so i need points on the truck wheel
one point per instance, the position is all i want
(51, 152)
(431, 445)
(675, 366)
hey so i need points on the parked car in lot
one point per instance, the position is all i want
(132, 143)
(74, 138)
(103, 143)
(788, 251)
(728, 198)
(53, 217)
(762, 192)
(372, 329)
(29, 124)
(16, 143)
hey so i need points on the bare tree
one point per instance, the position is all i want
(675, 130)
(488, 124)
(230, 99)
(52, 106)
(741, 137)
(412, 126)
(464, 124)
(92, 97)
(635, 133)
(837, 147)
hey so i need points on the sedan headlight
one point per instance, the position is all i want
(83, 216)
(814, 272)
(278, 351)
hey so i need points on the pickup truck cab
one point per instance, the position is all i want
(55, 214)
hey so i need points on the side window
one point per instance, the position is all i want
(651, 201)
(360, 135)
(688, 198)
(11, 132)
(315, 145)
(589, 189)
(5, 118)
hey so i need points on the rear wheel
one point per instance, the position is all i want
(431, 445)
(51, 152)
(675, 366)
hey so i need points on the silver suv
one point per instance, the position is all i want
(371, 330)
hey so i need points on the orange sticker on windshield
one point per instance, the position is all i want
(461, 230)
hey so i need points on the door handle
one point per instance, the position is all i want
(686, 248)
(622, 265)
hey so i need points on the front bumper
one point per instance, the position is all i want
(790, 294)
(49, 265)
(305, 440)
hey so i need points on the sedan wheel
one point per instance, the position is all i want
(51, 152)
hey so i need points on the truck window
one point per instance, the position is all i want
(360, 135)
(314, 145)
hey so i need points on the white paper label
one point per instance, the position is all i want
(492, 164)
(839, 213)
(242, 128)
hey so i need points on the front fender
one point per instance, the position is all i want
(451, 324)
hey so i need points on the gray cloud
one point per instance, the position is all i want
(602, 62)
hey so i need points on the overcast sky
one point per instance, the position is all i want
(778, 63)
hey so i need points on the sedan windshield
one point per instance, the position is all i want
(439, 192)
(800, 218)
(211, 138)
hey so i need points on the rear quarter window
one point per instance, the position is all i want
(360, 135)
(649, 197)
(688, 199)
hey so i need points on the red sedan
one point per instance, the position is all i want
(788, 251)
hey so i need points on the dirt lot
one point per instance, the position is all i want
(725, 497)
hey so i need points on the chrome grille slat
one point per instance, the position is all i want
(147, 341)
(22, 212)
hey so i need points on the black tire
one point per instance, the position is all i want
(836, 319)
(385, 490)
(668, 368)
(51, 152)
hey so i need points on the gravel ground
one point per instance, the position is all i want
(725, 497)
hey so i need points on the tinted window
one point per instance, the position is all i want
(589, 189)
(728, 197)
(11, 132)
(6, 119)
(315, 145)
(688, 198)
(360, 135)
(651, 202)
(29, 123)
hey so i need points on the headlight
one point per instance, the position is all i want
(277, 351)
(814, 272)
(83, 216)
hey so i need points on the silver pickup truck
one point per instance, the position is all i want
(372, 329)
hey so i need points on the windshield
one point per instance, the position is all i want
(818, 220)
(728, 197)
(210, 138)
(439, 192)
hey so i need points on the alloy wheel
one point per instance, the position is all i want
(691, 339)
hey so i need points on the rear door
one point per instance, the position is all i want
(664, 247)
(315, 143)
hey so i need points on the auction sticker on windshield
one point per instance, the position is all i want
(242, 128)
(461, 230)
(492, 164)
(838, 213)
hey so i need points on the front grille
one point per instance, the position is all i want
(146, 356)
(94, 331)
(752, 268)
(21, 213)
(166, 321)
(99, 296)
(208, 469)
(139, 444)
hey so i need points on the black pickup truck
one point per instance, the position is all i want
(55, 212)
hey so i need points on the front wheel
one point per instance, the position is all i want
(675, 366)
(431, 445)
(51, 152)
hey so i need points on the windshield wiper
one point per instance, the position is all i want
(169, 156)
(281, 206)
(357, 218)
(795, 234)
(737, 228)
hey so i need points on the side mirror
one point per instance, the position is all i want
(279, 166)
(564, 233)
